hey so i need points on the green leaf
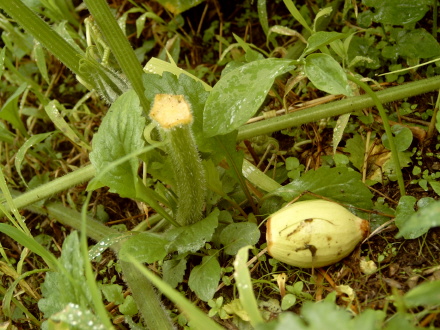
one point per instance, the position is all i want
(404, 210)
(205, 277)
(356, 148)
(285, 31)
(145, 247)
(68, 285)
(325, 315)
(296, 14)
(237, 235)
(239, 94)
(41, 61)
(262, 15)
(212, 175)
(107, 242)
(339, 129)
(425, 294)
(251, 55)
(339, 184)
(403, 138)
(129, 306)
(179, 6)
(288, 301)
(113, 293)
(119, 134)
(361, 52)
(21, 153)
(417, 43)
(400, 321)
(398, 12)
(54, 114)
(192, 238)
(76, 317)
(421, 221)
(326, 74)
(173, 271)
(435, 185)
(320, 39)
(368, 320)
(9, 111)
(286, 320)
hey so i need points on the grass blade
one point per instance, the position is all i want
(244, 286)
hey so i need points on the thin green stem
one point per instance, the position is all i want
(337, 108)
(119, 45)
(53, 187)
(387, 127)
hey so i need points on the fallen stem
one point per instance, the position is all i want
(337, 108)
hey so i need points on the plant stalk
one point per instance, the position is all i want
(51, 188)
(337, 108)
(173, 115)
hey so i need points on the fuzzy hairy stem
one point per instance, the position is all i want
(189, 174)
(173, 115)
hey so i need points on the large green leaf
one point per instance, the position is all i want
(426, 294)
(192, 238)
(403, 138)
(417, 43)
(398, 12)
(204, 278)
(356, 148)
(339, 184)
(326, 74)
(421, 221)
(239, 94)
(68, 285)
(174, 271)
(237, 235)
(145, 247)
(120, 133)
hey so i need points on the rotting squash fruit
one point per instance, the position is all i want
(314, 233)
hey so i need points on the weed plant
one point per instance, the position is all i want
(143, 145)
